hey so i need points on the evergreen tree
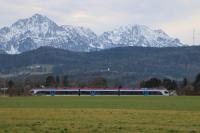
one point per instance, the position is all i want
(169, 84)
(153, 82)
(12, 91)
(173, 85)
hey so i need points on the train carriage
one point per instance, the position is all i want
(98, 92)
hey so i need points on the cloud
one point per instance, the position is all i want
(176, 17)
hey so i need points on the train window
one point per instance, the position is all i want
(106, 92)
(66, 92)
(71, 92)
(58, 92)
(139, 93)
(131, 92)
(43, 93)
(85, 93)
(127, 93)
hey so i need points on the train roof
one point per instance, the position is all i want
(96, 88)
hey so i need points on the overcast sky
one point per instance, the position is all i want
(177, 18)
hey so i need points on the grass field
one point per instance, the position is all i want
(100, 114)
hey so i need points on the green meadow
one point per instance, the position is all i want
(100, 114)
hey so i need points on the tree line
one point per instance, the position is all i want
(16, 88)
(63, 81)
(158, 83)
(184, 87)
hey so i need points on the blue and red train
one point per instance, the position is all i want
(93, 91)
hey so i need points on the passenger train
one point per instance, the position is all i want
(98, 92)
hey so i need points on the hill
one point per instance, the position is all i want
(127, 64)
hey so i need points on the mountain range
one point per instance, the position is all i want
(38, 31)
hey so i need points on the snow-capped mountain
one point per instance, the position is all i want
(38, 30)
(136, 35)
(82, 37)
